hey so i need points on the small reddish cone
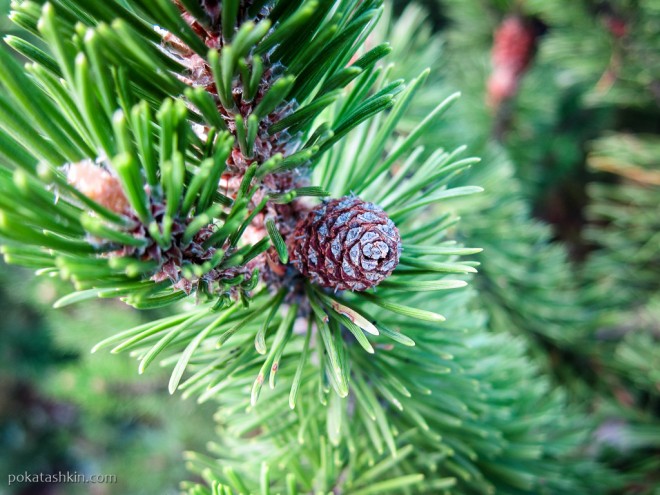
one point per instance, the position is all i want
(346, 244)
(617, 26)
(513, 49)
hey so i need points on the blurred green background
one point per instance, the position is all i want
(63, 409)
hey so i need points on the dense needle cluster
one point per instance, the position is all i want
(238, 98)
(249, 107)
(239, 101)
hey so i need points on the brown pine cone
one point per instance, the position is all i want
(346, 244)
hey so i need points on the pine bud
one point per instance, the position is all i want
(98, 184)
(346, 244)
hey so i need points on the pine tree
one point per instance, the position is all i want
(172, 154)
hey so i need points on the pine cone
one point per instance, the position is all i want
(514, 45)
(346, 244)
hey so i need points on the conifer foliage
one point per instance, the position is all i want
(175, 153)
(581, 137)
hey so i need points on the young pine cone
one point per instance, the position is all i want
(514, 45)
(346, 244)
